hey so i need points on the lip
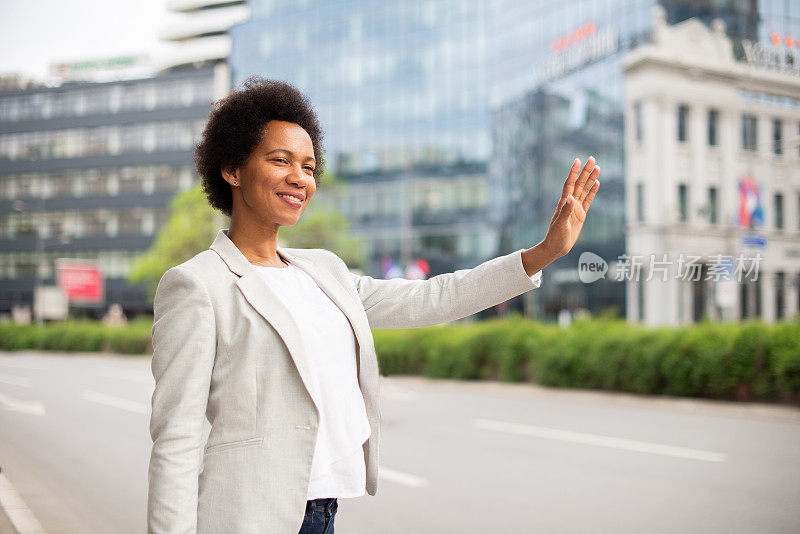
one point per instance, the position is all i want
(295, 203)
(300, 196)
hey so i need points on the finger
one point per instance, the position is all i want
(589, 183)
(566, 208)
(592, 192)
(569, 185)
(587, 169)
(580, 183)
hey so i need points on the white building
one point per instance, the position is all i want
(701, 126)
(199, 37)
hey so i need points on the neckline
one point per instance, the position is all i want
(271, 267)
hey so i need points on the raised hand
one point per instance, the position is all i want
(576, 197)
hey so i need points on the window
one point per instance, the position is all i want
(713, 122)
(640, 298)
(777, 136)
(683, 114)
(97, 101)
(167, 178)
(96, 140)
(133, 96)
(712, 205)
(60, 104)
(683, 209)
(95, 183)
(640, 202)
(168, 93)
(637, 116)
(779, 211)
(780, 279)
(130, 180)
(131, 138)
(749, 132)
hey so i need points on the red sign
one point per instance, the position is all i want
(573, 37)
(788, 40)
(81, 281)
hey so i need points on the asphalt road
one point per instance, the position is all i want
(455, 457)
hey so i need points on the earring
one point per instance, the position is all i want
(235, 182)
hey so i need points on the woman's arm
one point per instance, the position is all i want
(184, 345)
(400, 303)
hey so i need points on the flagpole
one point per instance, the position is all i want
(405, 225)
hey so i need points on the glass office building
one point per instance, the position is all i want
(395, 83)
(501, 94)
(558, 93)
(401, 90)
(563, 99)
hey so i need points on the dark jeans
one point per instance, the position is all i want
(319, 516)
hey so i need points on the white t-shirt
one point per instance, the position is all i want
(338, 468)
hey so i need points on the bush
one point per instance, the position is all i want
(78, 336)
(744, 361)
(741, 361)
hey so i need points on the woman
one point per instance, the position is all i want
(273, 345)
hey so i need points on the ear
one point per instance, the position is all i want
(230, 175)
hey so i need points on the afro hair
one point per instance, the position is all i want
(236, 125)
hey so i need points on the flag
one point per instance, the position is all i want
(390, 269)
(751, 213)
(417, 270)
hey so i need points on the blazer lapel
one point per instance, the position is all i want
(269, 306)
(266, 303)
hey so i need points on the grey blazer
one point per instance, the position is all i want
(226, 348)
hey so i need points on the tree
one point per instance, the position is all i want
(191, 228)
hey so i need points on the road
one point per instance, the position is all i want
(455, 457)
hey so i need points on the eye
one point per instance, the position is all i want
(309, 167)
(282, 160)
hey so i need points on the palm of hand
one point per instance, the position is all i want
(576, 197)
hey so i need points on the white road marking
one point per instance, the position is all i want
(115, 402)
(602, 441)
(404, 479)
(15, 405)
(18, 513)
(15, 380)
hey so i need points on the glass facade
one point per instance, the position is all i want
(396, 84)
(557, 94)
(415, 87)
(562, 98)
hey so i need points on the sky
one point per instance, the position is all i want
(36, 33)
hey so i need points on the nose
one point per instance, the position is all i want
(297, 176)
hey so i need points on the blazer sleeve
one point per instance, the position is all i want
(400, 303)
(184, 346)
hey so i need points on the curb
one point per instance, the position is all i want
(14, 508)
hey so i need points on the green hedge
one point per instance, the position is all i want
(738, 361)
(750, 361)
(78, 336)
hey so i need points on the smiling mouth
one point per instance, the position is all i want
(292, 201)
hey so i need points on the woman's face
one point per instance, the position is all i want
(283, 162)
